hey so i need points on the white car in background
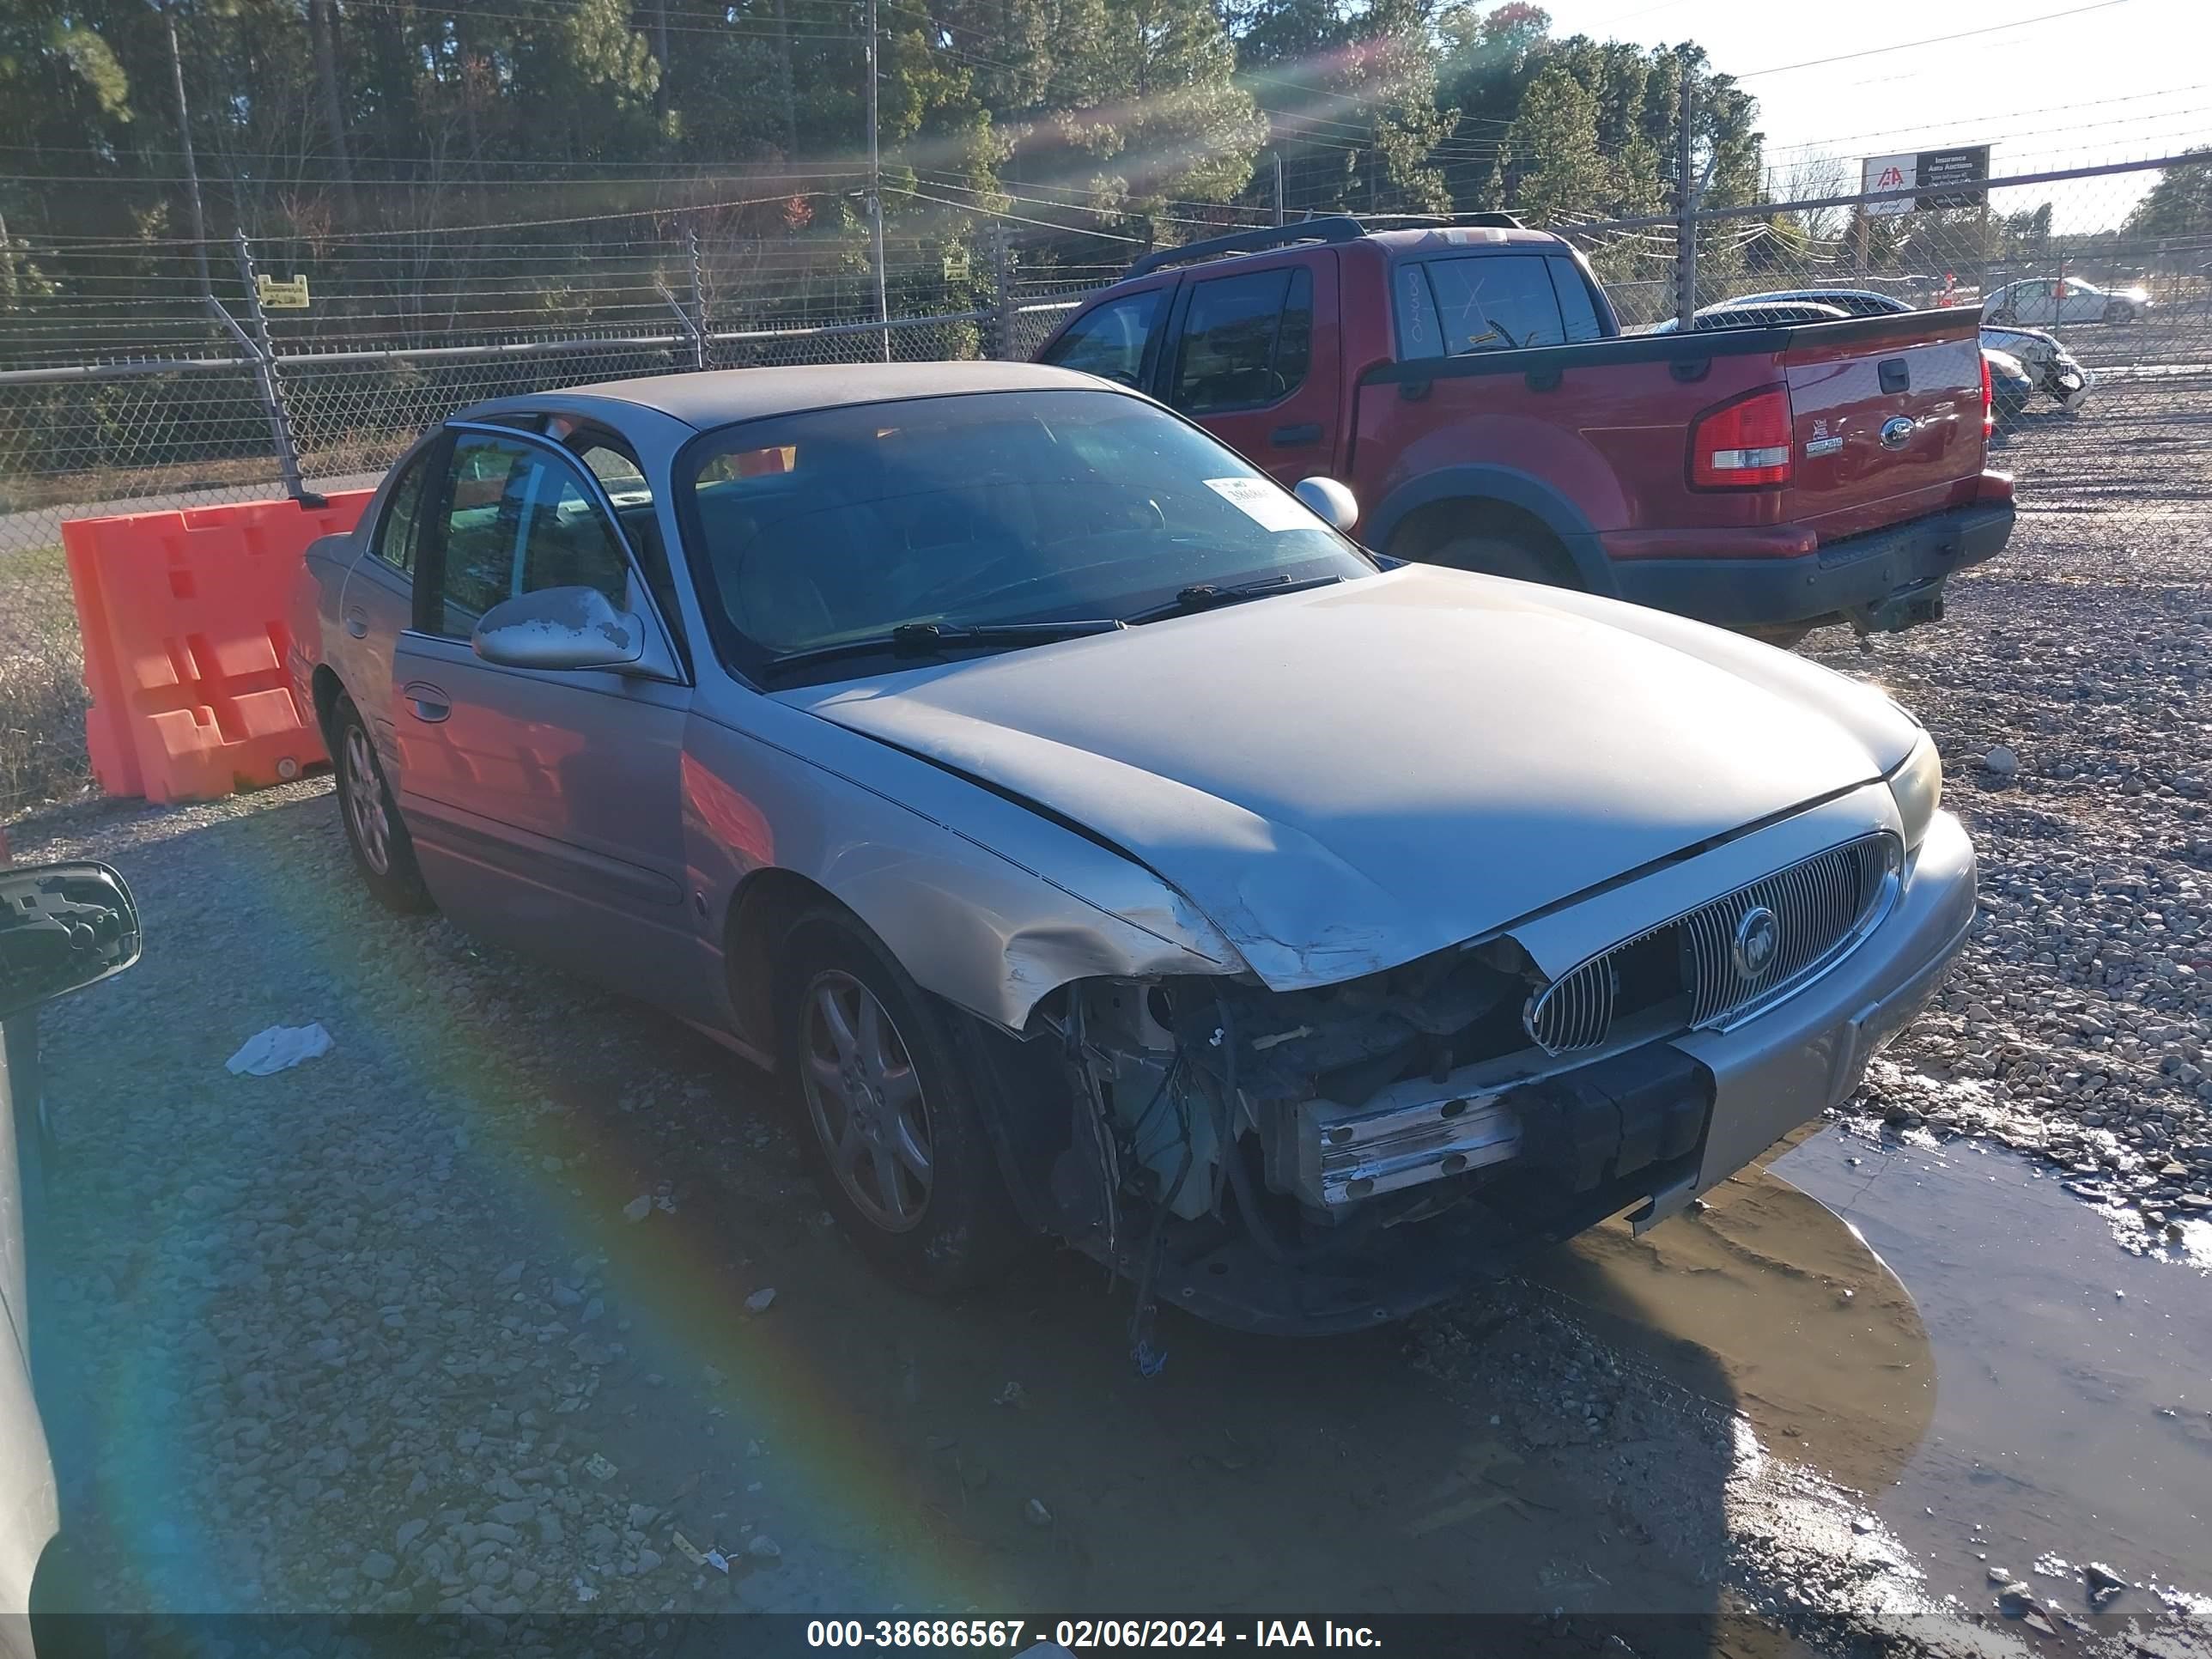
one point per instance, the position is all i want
(2043, 301)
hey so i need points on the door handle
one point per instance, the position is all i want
(428, 702)
(356, 623)
(1287, 437)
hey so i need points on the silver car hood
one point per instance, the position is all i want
(1353, 777)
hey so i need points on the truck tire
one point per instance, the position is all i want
(1501, 555)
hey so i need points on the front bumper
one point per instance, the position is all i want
(1857, 577)
(1763, 1079)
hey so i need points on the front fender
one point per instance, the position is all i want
(985, 902)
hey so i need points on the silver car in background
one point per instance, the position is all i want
(1100, 844)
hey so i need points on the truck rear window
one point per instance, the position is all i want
(1449, 307)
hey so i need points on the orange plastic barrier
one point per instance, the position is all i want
(183, 615)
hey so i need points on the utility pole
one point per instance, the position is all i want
(1686, 190)
(185, 143)
(876, 190)
(1276, 156)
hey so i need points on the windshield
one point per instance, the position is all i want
(841, 525)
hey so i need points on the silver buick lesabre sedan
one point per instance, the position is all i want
(1101, 845)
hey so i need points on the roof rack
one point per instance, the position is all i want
(1445, 221)
(1332, 228)
(1337, 228)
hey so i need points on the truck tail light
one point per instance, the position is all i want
(1989, 403)
(1743, 442)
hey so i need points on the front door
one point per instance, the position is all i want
(1249, 366)
(544, 804)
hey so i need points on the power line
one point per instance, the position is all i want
(1932, 40)
(1845, 146)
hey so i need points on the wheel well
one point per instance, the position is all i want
(765, 905)
(1428, 528)
(327, 690)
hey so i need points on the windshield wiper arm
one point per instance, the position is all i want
(929, 639)
(1204, 596)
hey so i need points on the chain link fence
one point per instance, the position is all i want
(141, 377)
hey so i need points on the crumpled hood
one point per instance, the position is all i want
(1350, 778)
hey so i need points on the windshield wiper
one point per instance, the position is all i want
(930, 639)
(1204, 596)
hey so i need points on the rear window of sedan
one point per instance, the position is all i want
(810, 530)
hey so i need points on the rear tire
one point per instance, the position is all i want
(1501, 555)
(890, 1120)
(382, 850)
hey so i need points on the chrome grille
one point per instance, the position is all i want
(1818, 906)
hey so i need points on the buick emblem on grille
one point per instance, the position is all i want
(1756, 938)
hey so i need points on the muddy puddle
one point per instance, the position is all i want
(1962, 1346)
(2072, 1418)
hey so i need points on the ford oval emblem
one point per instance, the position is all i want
(1897, 431)
(1758, 937)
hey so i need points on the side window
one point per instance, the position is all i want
(1577, 309)
(396, 533)
(1110, 341)
(614, 465)
(1496, 302)
(518, 519)
(1419, 335)
(1245, 340)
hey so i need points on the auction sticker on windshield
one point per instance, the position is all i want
(1262, 503)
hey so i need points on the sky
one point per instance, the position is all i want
(2123, 80)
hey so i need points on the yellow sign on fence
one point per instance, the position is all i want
(282, 296)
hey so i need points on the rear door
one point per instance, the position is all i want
(376, 594)
(1887, 419)
(1246, 359)
(545, 804)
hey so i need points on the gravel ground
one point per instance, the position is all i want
(2067, 694)
(475, 1311)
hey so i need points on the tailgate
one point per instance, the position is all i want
(1886, 414)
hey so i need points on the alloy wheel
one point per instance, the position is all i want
(364, 803)
(866, 1100)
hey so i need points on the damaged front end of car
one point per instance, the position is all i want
(1331, 1156)
(1336, 1157)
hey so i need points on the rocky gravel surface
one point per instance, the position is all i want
(516, 1302)
(2069, 695)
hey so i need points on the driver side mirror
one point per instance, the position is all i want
(559, 627)
(1335, 505)
(63, 926)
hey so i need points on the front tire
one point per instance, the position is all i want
(890, 1121)
(382, 850)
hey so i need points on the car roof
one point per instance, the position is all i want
(718, 397)
(1461, 239)
(1803, 310)
(1784, 295)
